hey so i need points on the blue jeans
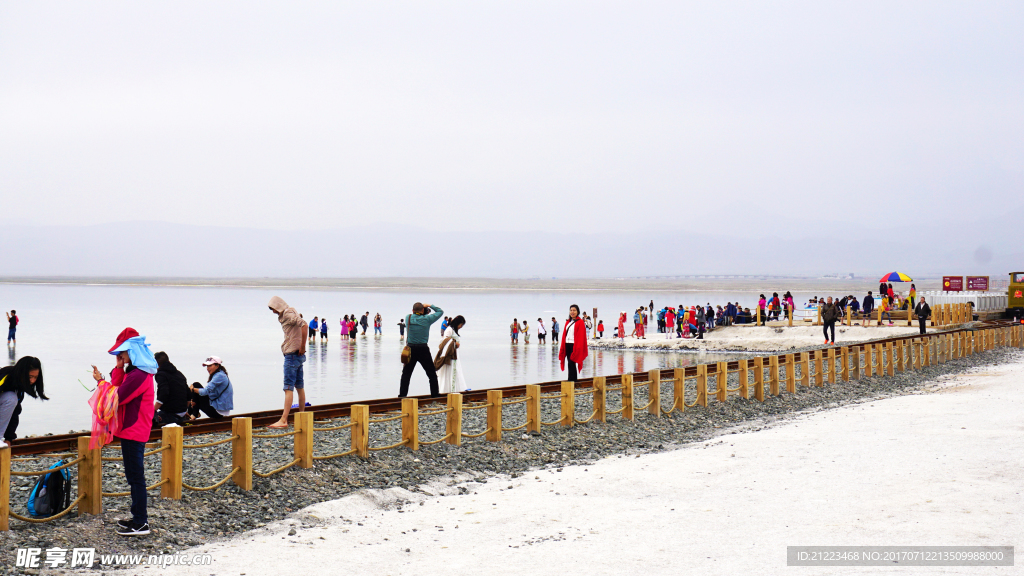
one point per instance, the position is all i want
(293, 371)
(376, 329)
(10, 334)
(135, 473)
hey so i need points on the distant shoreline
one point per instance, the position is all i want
(709, 284)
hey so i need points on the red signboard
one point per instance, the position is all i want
(952, 283)
(977, 283)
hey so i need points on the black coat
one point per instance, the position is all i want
(923, 310)
(172, 389)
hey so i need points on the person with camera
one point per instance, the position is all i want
(417, 349)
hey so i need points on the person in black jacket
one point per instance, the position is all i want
(172, 393)
(829, 314)
(923, 311)
(866, 307)
(26, 376)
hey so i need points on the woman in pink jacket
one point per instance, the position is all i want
(574, 343)
(133, 378)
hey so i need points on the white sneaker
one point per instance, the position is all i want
(3, 444)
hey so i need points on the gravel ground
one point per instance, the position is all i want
(201, 517)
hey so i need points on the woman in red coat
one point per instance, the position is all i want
(574, 343)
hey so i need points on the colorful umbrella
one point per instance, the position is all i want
(896, 277)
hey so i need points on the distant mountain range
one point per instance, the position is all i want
(697, 246)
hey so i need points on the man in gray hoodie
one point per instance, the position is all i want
(294, 350)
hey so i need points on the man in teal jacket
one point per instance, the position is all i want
(423, 315)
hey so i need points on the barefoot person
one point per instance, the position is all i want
(294, 350)
(133, 378)
(574, 343)
(25, 377)
(419, 322)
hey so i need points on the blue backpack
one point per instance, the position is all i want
(51, 494)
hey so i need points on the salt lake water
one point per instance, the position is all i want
(70, 327)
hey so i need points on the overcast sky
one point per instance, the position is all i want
(509, 116)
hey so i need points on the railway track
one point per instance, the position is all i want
(69, 442)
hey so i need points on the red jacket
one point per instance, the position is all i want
(134, 404)
(579, 347)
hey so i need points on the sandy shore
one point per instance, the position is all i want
(937, 468)
(757, 338)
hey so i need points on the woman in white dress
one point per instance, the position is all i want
(450, 373)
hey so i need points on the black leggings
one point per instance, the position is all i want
(202, 403)
(420, 354)
(830, 326)
(573, 376)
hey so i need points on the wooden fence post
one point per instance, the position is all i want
(722, 378)
(844, 363)
(831, 361)
(818, 321)
(819, 369)
(494, 416)
(849, 316)
(303, 439)
(5, 483)
(759, 378)
(892, 359)
(879, 310)
(702, 385)
(411, 423)
(758, 321)
(790, 374)
(654, 393)
(454, 427)
(600, 390)
(744, 378)
(773, 375)
(241, 452)
(627, 397)
(790, 315)
(359, 415)
(533, 408)
(679, 389)
(90, 480)
(568, 404)
(170, 461)
(855, 362)
(901, 363)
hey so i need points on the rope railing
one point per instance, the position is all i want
(465, 435)
(438, 441)
(476, 407)
(380, 420)
(389, 446)
(208, 444)
(281, 435)
(31, 520)
(157, 451)
(48, 470)
(552, 396)
(338, 455)
(129, 493)
(441, 411)
(578, 421)
(559, 421)
(215, 486)
(276, 470)
(41, 456)
(520, 401)
(332, 428)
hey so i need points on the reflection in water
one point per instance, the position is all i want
(10, 355)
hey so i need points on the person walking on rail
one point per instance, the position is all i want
(294, 350)
(829, 315)
(419, 322)
(25, 377)
(132, 376)
(574, 343)
(923, 312)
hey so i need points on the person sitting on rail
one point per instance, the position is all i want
(217, 399)
(172, 393)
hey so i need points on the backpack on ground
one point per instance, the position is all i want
(51, 494)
